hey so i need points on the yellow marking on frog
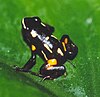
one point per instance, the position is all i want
(44, 55)
(60, 52)
(49, 67)
(52, 62)
(66, 40)
(33, 48)
(47, 47)
(64, 46)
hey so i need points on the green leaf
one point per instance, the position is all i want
(80, 19)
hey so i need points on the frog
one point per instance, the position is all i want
(55, 53)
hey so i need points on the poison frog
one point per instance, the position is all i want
(41, 41)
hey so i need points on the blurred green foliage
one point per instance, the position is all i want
(80, 19)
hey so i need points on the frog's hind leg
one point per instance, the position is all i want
(52, 71)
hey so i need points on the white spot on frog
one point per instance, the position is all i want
(33, 33)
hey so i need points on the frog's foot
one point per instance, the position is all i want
(16, 68)
(40, 75)
(65, 74)
(47, 78)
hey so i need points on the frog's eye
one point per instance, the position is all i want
(36, 19)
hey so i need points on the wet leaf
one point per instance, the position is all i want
(80, 19)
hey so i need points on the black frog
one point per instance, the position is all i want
(41, 41)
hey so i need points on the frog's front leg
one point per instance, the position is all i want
(31, 62)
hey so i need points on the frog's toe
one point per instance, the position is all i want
(47, 78)
(16, 68)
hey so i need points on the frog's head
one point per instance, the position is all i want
(71, 48)
(35, 23)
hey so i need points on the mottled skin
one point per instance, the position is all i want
(41, 41)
